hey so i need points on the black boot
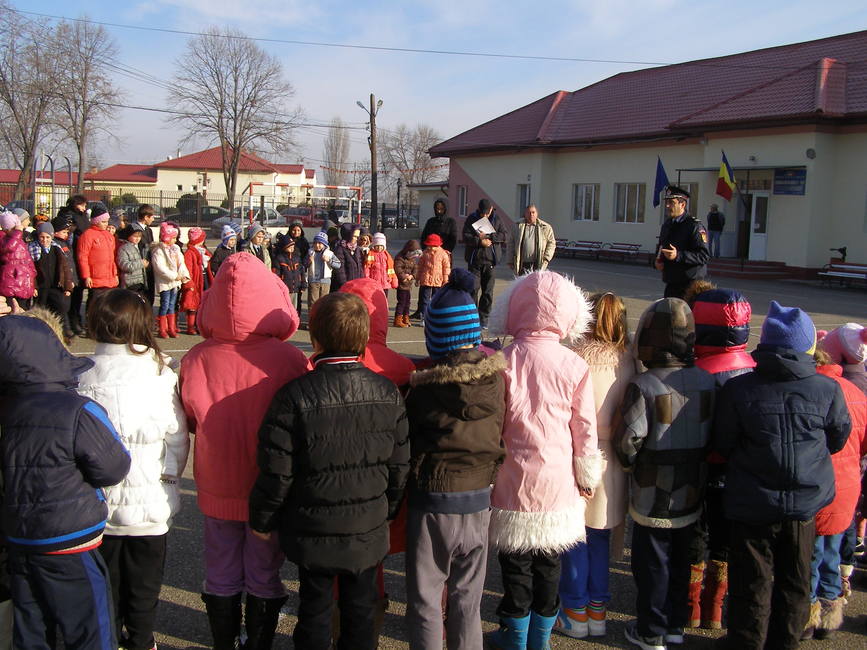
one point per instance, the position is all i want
(260, 620)
(224, 615)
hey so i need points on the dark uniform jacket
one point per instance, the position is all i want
(474, 253)
(333, 461)
(690, 238)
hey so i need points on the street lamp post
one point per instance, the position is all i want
(374, 109)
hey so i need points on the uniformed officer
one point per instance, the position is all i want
(682, 252)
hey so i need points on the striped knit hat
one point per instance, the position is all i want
(722, 321)
(451, 320)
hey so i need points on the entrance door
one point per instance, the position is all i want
(759, 230)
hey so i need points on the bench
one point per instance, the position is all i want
(622, 249)
(844, 272)
(574, 248)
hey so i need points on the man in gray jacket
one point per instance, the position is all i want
(533, 243)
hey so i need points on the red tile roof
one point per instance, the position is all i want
(309, 173)
(60, 178)
(817, 80)
(124, 173)
(289, 169)
(211, 159)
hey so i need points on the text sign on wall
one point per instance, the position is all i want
(790, 181)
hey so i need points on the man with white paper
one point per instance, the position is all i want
(484, 236)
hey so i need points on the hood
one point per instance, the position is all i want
(783, 364)
(599, 353)
(463, 382)
(31, 353)
(377, 306)
(665, 335)
(543, 301)
(49, 318)
(247, 300)
(445, 205)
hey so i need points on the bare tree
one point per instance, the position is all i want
(85, 86)
(404, 152)
(335, 152)
(230, 91)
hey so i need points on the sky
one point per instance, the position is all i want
(449, 92)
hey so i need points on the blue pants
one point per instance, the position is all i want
(825, 579)
(584, 573)
(713, 245)
(849, 541)
(168, 302)
(424, 296)
(70, 591)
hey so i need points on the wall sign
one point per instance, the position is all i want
(790, 181)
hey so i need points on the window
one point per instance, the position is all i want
(462, 200)
(585, 202)
(629, 202)
(523, 198)
(180, 188)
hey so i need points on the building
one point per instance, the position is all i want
(792, 121)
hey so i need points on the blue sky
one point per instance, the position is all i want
(450, 93)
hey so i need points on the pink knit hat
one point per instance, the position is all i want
(168, 231)
(8, 220)
(195, 235)
(846, 344)
(102, 216)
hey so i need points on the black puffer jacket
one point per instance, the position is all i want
(58, 448)
(444, 226)
(777, 426)
(333, 462)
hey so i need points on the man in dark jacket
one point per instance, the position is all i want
(482, 253)
(682, 253)
(443, 225)
(333, 462)
(58, 451)
(777, 427)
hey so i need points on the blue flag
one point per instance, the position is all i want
(661, 182)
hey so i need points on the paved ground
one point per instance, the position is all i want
(182, 622)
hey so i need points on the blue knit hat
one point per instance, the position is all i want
(451, 320)
(322, 238)
(226, 234)
(789, 327)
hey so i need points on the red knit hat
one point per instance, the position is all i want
(433, 240)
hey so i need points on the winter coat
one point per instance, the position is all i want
(58, 448)
(333, 461)
(192, 290)
(52, 270)
(550, 423)
(302, 246)
(228, 380)
(477, 255)
(351, 265)
(17, 271)
(170, 270)
(545, 244)
(129, 266)
(836, 516)
(433, 267)
(610, 371)
(857, 374)
(446, 227)
(777, 426)
(380, 268)
(329, 262)
(689, 237)
(377, 355)
(64, 246)
(221, 253)
(96, 258)
(290, 271)
(403, 266)
(455, 410)
(155, 434)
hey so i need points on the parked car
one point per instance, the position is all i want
(309, 216)
(270, 218)
(23, 204)
(217, 225)
(209, 213)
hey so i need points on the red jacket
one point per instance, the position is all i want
(836, 516)
(228, 380)
(380, 267)
(96, 258)
(191, 292)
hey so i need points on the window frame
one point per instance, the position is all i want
(576, 187)
(639, 205)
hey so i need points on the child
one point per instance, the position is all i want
(319, 263)
(62, 226)
(128, 364)
(58, 451)
(776, 426)
(17, 271)
(552, 456)
(433, 270)
(405, 269)
(661, 437)
(53, 275)
(364, 242)
(288, 267)
(170, 272)
(130, 264)
(584, 581)
(196, 259)
(333, 460)
(455, 410)
(350, 256)
(227, 382)
(302, 246)
(228, 241)
(380, 265)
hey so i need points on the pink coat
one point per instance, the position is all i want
(550, 423)
(433, 267)
(380, 268)
(17, 271)
(228, 380)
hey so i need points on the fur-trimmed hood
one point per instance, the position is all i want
(543, 301)
(598, 353)
(460, 369)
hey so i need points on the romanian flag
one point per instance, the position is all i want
(725, 184)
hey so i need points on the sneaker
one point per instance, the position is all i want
(674, 636)
(572, 623)
(643, 642)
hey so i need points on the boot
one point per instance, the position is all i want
(596, 615)
(812, 622)
(696, 574)
(163, 327)
(260, 621)
(830, 618)
(512, 634)
(406, 322)
(539, 635)
(398, 321)
(172, 320)
(224, 616)
(716, 584)
(191, 323)
(846, 579)
(573, 622)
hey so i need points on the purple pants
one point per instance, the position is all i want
(403, 299)
(236, 560)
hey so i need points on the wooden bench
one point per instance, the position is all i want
(575, 248)
(623, 249)
(844, 272)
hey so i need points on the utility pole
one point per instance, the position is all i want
(374, 109)
(399, 216)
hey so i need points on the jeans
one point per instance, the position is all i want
(585, 571)
(424, 296)
(168, 302)
(825, 580)
(713, 241)
(530, 582)
(849, 541)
